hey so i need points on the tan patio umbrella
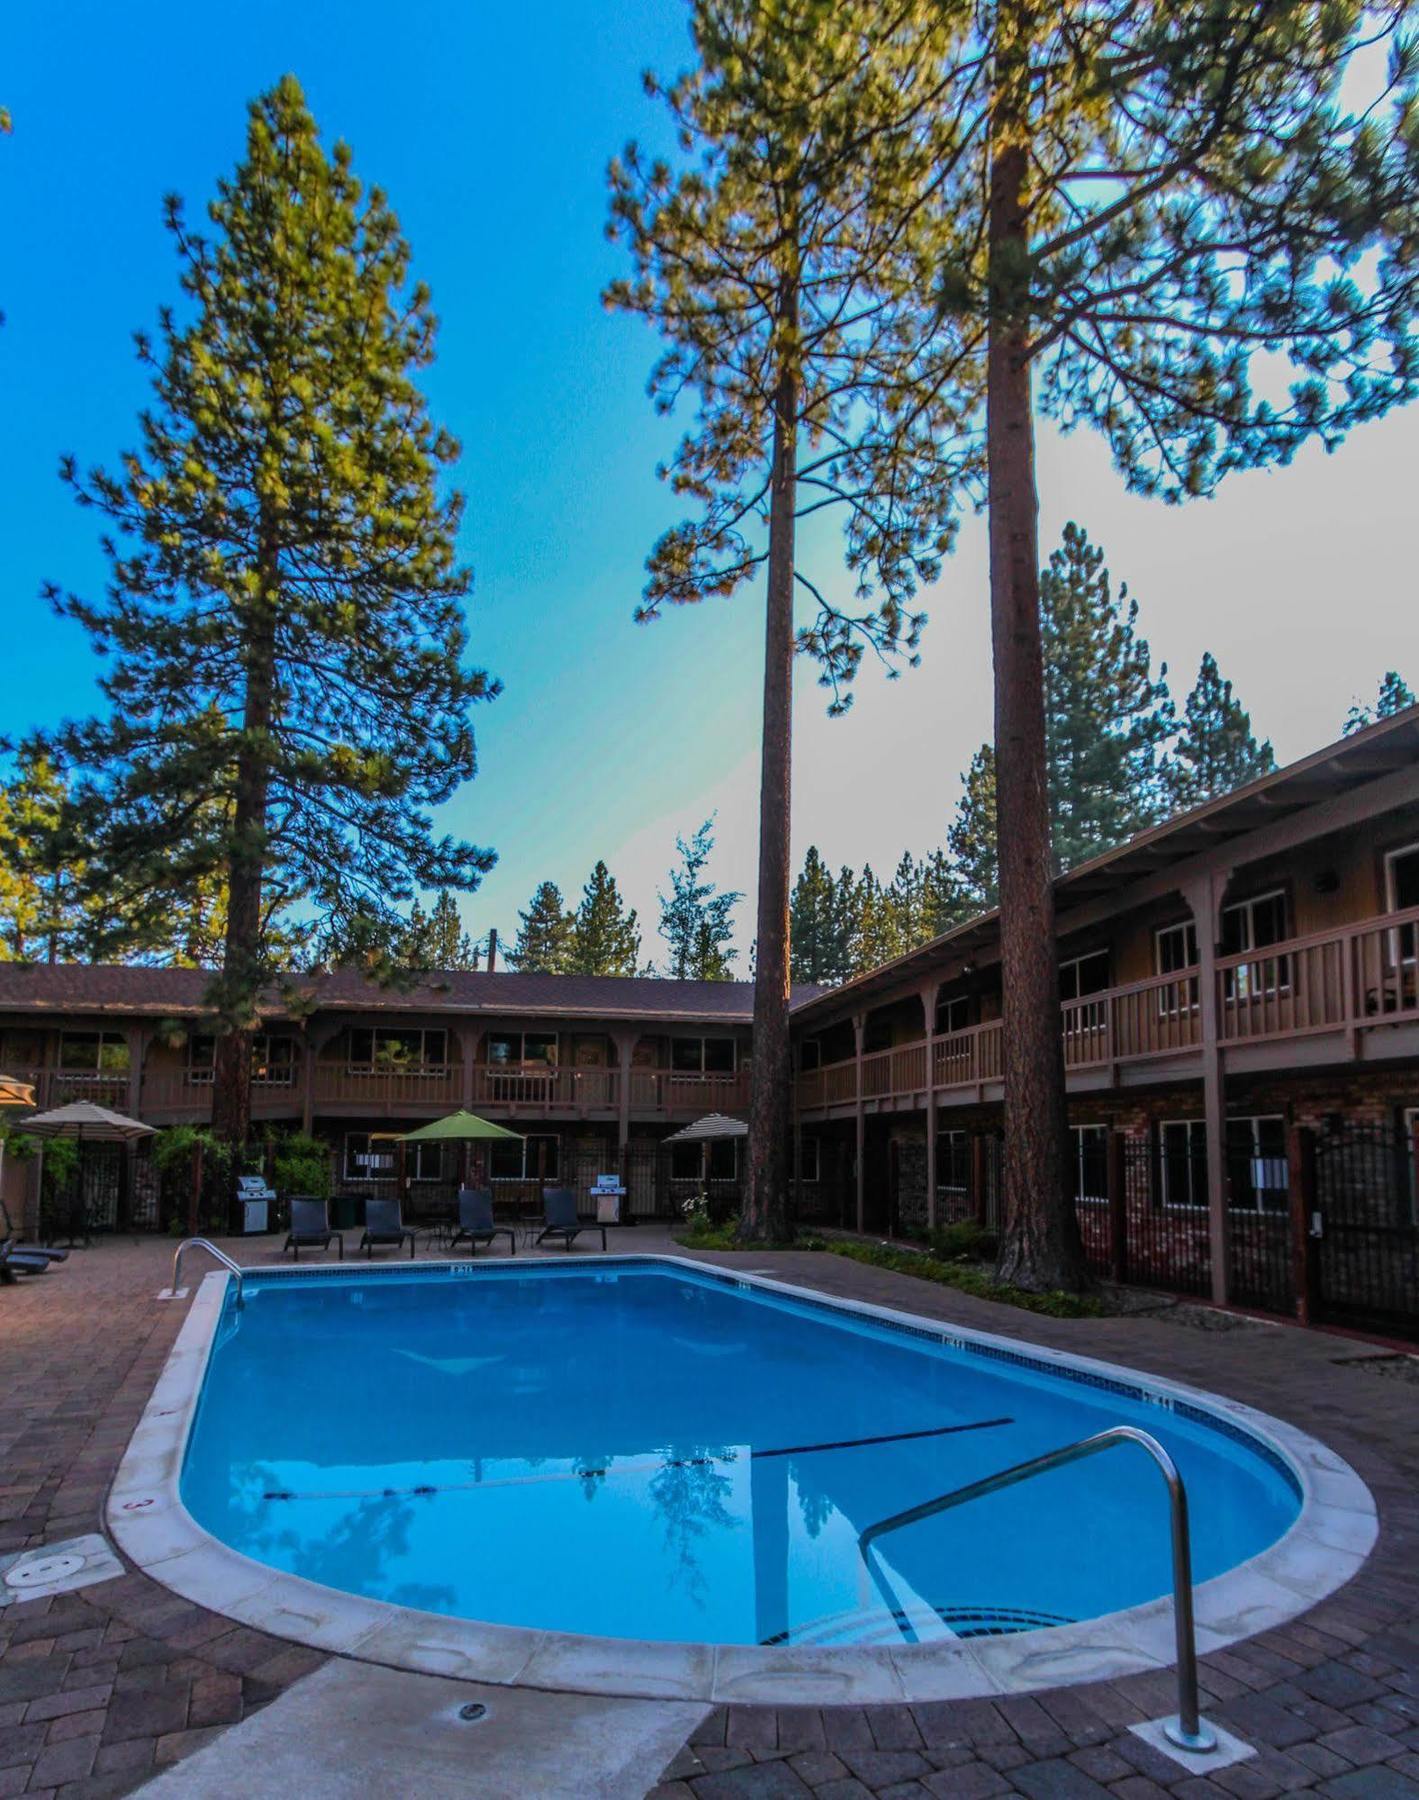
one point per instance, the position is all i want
(87, 1124)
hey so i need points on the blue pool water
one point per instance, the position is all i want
(641, 1451)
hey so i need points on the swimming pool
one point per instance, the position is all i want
(648, 1450)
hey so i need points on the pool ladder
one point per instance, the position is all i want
(198, 1243)
(1188, 1731)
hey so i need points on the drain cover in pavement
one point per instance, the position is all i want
(57, 1568)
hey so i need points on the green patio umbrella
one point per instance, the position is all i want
(459, 1127)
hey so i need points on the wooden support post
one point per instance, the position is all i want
(1117, 1178)
(979, 1198)
(930, 1158)
(1202, 897)
(1301, 1200)
(401, 1165)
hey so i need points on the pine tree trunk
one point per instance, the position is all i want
(765, 1214)
(1040, 1245)
(242, 963)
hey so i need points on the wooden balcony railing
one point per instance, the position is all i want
(1359, 977)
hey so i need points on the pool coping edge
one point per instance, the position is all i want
(1332, 1535)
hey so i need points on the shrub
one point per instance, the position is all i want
(966, 1239)
(301, 1165)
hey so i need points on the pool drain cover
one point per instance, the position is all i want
(472, 1712)
(43, 1568)
(57, 1568)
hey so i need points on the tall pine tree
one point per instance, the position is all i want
(605, 937)
(1133, 202)
(1216, 750)
(1106, 718)
(758, 262)
(1395, 694)
(544, 934)
(284, 619)
(695, 919)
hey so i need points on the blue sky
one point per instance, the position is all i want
(490, 129)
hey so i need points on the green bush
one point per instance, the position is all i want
(301, 1165)
(964, 1240)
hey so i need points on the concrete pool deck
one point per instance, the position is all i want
(100, 1688)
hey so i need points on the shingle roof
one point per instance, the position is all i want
(132, 988)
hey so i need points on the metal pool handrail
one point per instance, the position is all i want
(1189, 1731)
(199, 1243)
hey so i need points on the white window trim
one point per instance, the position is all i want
(1073, 962)
(1237, 982)
(1168, 1006)
(1396, 954)
(946, 1006)
(1255, 1119)
(1191, 1125)
(422, 1067)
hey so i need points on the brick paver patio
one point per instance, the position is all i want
(100, 1688)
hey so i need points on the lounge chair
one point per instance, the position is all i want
(559, 1218)
(15, 1262)
(310, 1227)
(475, 1221)
(385, 1228)
(7, 1235)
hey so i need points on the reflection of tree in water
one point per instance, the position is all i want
(690, 1493)
(813, 1501)
(370, 1535)
(593, 1470)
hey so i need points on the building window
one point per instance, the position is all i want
(538, 1047)
(707, 1056)
(1089, 1162)
(1182, 1160)
(538, 1157)
(809, 1159)
(1249, 925)
(1175, 950)
(273, 1060)
(374, 1156)
(95, 1053)
(1257, 1167)
(953, 1014)
(381, 1050)
(1402, 894)
(953, 1162)
(1080, 976)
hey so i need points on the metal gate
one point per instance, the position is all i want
(1365, 1230)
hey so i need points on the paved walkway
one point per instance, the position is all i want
(101, 1689)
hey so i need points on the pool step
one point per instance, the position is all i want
(874, 1625)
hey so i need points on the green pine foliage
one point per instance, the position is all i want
(605, 936)
(820, 923)
(1394, 696)
(284, 622)
(544, 934)
(1106, 717)
(45, 914)
(436, 939)
(971, 837)
(1216, 750)
(696, 920)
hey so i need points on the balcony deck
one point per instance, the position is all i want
(1344, 996)
(497, 1091)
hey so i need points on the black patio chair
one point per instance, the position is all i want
(15, 1262)
(7, 1235)
(385, 1228)
(475, 1221)
(559, 1218)
(310, 1227)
